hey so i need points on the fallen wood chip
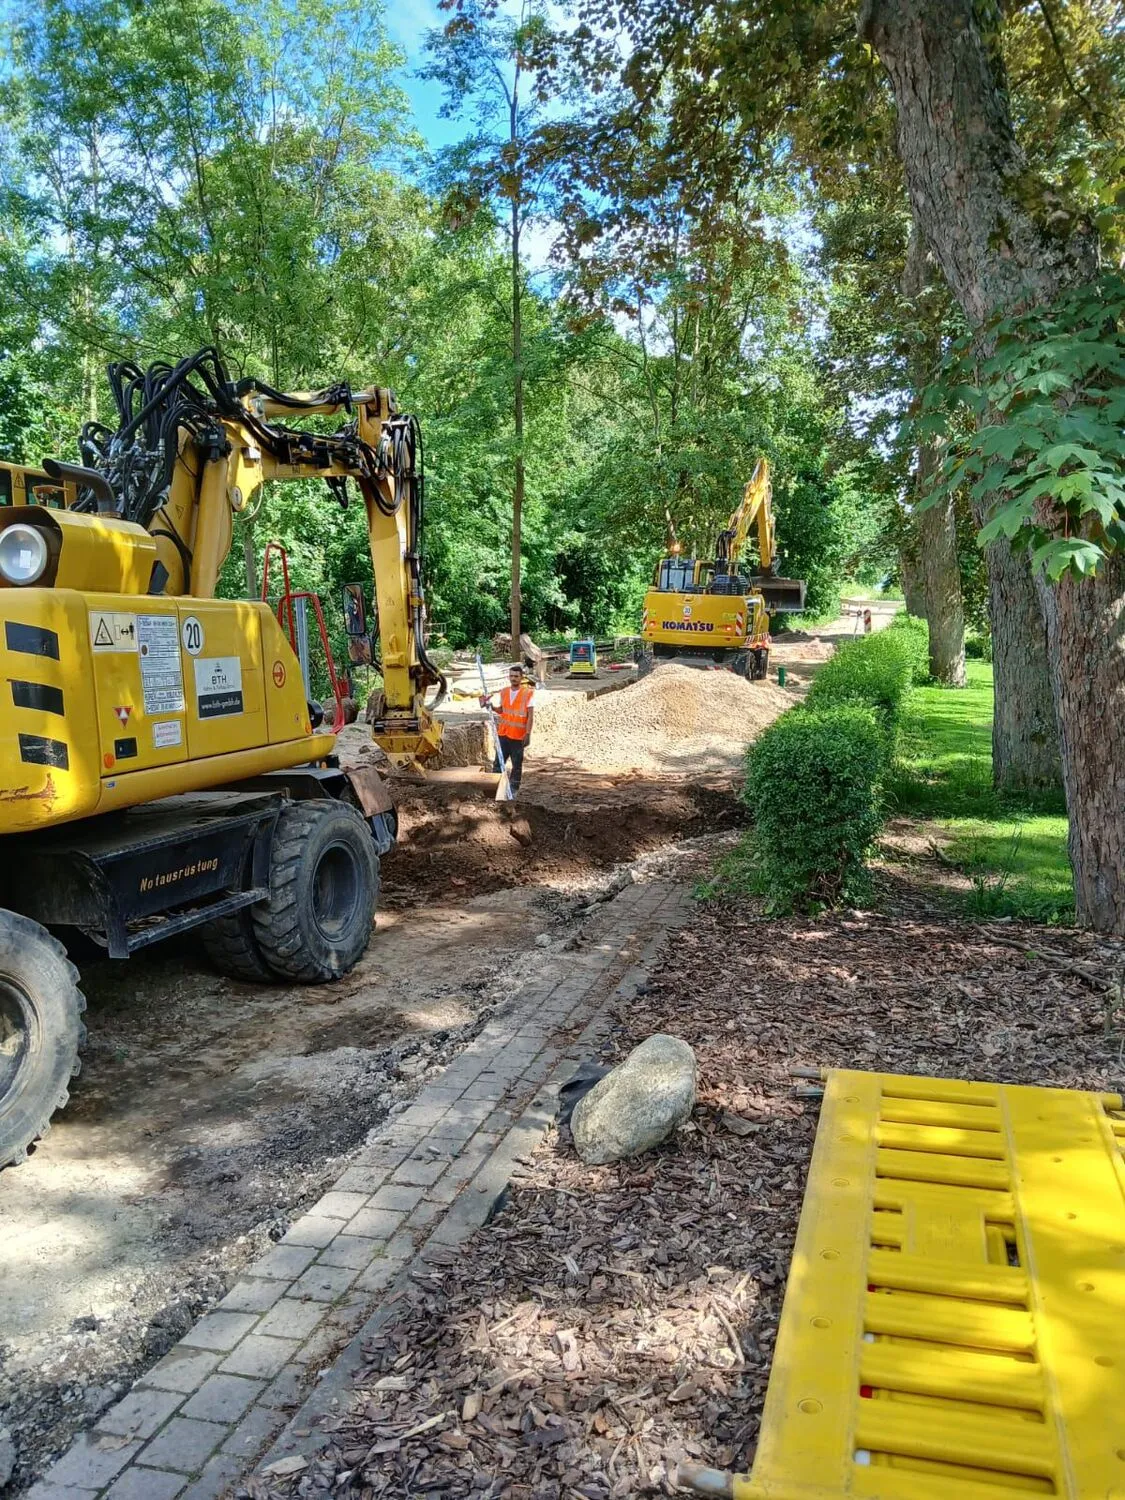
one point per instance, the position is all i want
(470, 1407)
(282, 1466)
(423, 1426)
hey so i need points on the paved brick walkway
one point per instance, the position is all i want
(203, 1417)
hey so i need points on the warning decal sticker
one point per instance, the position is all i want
(169, 732)
(218, 686)
(112, 632)
(161, 674)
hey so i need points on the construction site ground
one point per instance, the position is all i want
(612, 1323)
(210, 1113)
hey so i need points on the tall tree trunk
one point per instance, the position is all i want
(910, 568)
(250, 562)
(941, 573)
(974, 203)
(1025, 741)
(1086, 628)
(935, 525)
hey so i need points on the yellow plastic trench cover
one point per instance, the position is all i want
(954, 1323)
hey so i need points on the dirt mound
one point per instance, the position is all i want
(565, 830)
(795, 644)
(678, 720)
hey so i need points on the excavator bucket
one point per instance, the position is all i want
(781, 595)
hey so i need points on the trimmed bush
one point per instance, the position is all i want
(874, 670)
(812, 786)
(916, 635)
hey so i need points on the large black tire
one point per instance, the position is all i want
(324, 884)
(41, 1032)
(232, 946)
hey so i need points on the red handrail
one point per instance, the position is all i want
(287, 621)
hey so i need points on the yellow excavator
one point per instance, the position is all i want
(704, 611)
(160, 766)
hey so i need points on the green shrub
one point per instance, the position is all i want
(874, 670)
(813, 789)
(915, 633)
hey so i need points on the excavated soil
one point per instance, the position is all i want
(562, 830)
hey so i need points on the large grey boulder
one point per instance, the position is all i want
(637, 1105)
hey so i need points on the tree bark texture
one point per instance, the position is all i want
(1025, 741)
(968, 182)
(1002, 244)
(1086, 627)
(941, 574)
(913, 584)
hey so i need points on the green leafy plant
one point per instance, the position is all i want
(990, 886)
(914, 634)
(1044, 451)
(876, 671)
(813, 788)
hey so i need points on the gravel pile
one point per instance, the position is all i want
(676, 720)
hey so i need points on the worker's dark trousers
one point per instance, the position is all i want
(512, 750)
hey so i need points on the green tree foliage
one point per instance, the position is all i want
(1044, 451)
(179, 174)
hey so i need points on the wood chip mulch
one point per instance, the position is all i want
(612, 1322)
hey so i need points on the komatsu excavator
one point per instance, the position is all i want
(160, 767)
(704, 611)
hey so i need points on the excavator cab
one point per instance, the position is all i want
(675, 575)
(21, 485)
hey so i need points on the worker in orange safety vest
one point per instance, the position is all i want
(516, 714)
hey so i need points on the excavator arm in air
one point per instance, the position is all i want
(191, 450)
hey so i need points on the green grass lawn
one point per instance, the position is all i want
(1014, 852)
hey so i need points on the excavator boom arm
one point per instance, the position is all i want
(191, 451)
(756, 505)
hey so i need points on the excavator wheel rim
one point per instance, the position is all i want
(20, 1035)
(294, 938)
(336, 885)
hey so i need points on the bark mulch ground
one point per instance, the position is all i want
(611, 1322)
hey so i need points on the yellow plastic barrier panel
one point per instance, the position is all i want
(954, 1322)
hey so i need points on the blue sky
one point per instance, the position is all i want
(407, 22)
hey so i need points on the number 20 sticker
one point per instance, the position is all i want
(192, 636)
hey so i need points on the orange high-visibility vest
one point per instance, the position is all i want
(515, 705)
